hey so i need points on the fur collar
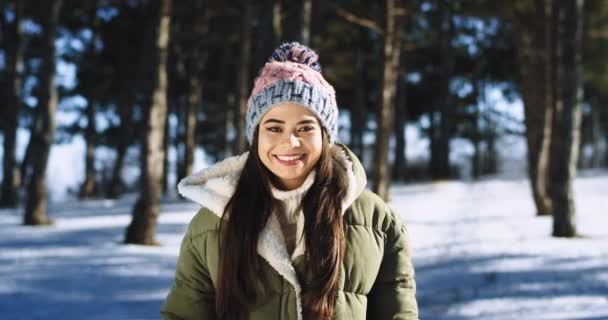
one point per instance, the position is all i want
(212, 188)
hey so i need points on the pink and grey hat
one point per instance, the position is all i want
(293, 74)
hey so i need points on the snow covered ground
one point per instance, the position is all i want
(479, 252)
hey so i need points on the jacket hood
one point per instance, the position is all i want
(213, 187)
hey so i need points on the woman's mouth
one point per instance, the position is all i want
(289, 159)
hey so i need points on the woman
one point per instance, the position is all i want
(287, 230)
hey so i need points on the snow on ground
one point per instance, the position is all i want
(479, 253)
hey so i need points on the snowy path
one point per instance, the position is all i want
(478, 249)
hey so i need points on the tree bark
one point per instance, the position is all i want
(392, 50)
(243, 76)
(13, 56)
(535, 44)
(147, 208)
(43, 130)
(567, 117)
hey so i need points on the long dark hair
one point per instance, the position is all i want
(240, 267)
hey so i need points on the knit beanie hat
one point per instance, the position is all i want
(293, 74)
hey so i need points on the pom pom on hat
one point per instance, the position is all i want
(296, 52)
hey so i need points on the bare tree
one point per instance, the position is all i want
(243, 76)
(535, 38)
(268, 32)
(87, 188)
(567, 116)
(306, 19)
(359, 110)
(147, 208)
(13, 57)
(400, 122)
(129, 67)
(392, 51)
(442, 115)
(43, 129)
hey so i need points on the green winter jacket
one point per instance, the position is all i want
(376, 279)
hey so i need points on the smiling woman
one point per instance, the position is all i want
(288, 230)
(289, 143)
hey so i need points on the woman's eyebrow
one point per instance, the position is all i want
(274, 120)
(307, 121)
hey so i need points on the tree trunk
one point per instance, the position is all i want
(276, 21)
(392, 50)
(265, 33)
(194, 101)
(400, 124)
(534, 42)
(147, 208)
(43, 130)
(306, 20)
(130, 73)
(13, 57)
(297, 18)
(166, 144)
(195, 58)
(603, 115)
(596, 135)
(476, 134)
(490, 160)
(87, 188)
(115, 188)
(243, 76)
(440, 140)
(358, 125)
(567, 117)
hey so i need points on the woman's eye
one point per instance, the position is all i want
(274, 129)
(307, 128)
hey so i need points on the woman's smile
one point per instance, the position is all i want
(289, 160)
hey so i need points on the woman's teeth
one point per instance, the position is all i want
(289, 158)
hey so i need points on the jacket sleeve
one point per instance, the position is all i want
(393, 295)
(192, 295)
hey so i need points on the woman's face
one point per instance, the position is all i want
(290, 143)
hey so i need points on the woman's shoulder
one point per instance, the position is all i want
(370, 210)
(203, 221)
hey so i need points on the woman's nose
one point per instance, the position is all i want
(293, 140)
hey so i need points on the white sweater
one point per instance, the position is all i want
(291, 216)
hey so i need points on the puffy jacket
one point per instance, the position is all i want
(376, 279)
